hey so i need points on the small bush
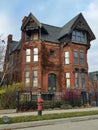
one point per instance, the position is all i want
(58, 104)
(8, 95)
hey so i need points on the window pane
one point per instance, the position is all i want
(67, 75)
(67, 60)
(83, 79)
(35, 78)
(27, 78)
(27, 74)
(35, 57)
(67, 54)
(27, 51)
(77, 80)
(81, 57)
(35, 82)
(79, 36)
(27, 81)
(27, 58)
(35, 51)
(68, 83)
(35, 74)
(75, 57)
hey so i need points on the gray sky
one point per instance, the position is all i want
(53, 12)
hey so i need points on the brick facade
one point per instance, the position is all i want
(55, 47)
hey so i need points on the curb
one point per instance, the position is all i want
(46, 122)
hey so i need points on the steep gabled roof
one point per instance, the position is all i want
(31, 16)
(12, 45)
(18, 46)
(72, 24)
(67, 27)
(52, 33)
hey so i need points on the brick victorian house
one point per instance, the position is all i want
(50, 58)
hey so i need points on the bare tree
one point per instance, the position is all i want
(2, 53)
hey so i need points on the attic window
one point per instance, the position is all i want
(29, 35)
(79, 36)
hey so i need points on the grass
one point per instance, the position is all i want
(48, 117)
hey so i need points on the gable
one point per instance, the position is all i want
(30, 23)
(78, 23)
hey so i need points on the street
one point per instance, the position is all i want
(81, 125)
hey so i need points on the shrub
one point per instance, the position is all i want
(72, 97)
(58, 104)
(8, 95)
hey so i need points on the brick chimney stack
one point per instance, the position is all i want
(24, 19)
(10, 38)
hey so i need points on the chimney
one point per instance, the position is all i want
(10, 38)
(24, 19)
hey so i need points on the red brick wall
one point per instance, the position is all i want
(48, 64)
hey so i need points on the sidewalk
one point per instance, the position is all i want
(52, 111)
(47, 122)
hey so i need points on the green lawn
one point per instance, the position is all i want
(48, 117)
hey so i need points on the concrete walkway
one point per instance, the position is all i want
(46, 122)
(12, 113)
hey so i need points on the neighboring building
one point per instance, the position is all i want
(93, 81)
(50, 58)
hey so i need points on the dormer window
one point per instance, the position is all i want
(78, 36)
(31, 35)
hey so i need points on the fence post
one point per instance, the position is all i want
(17, 99)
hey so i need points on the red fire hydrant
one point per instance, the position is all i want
(40, 103)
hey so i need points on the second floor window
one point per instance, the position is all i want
(28, 56)
(75, 57)
(35, 54)
(67, 58)
(81, 58)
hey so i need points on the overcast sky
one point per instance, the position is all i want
(53, 12)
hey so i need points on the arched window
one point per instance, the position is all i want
(51, 82)
(35, 54)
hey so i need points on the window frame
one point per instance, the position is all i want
(67, 57)
(79, 36)
(81, 57)
(76, 58)
(83, 80)
(35, 79)
(27, 84)
(35, 55)
(28, 55)
(77, 80)
(68, 80)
